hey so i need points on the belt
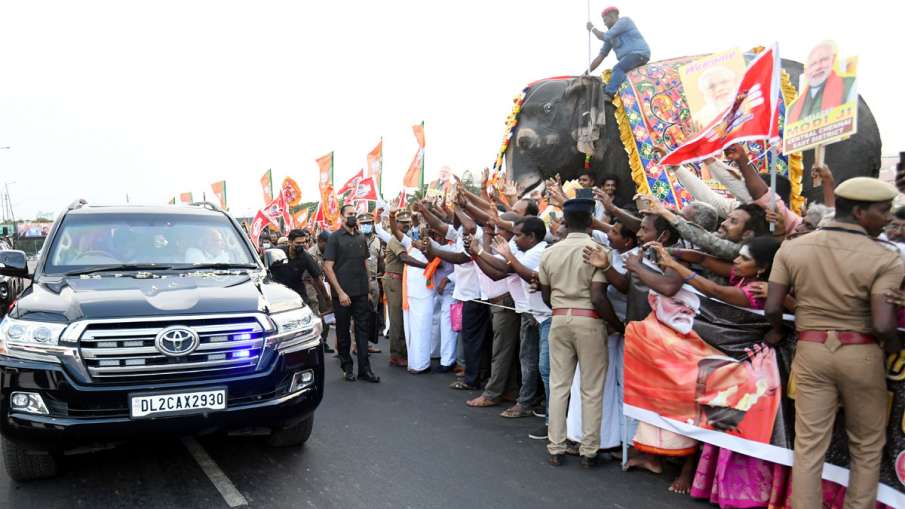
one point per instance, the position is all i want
(393, 275)
(588, 313)
(845, 337)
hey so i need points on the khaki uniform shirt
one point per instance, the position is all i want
(834, 274)
(563, 269)
(373, 254)
(392, 262)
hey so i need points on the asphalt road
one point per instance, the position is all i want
(406, 442)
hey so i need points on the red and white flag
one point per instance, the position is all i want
(752, 117)
(365, 190)
(351, 184)
(277, 209)
(260, 222)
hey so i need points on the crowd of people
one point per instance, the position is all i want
(531, 313)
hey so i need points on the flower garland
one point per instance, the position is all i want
(511, 122)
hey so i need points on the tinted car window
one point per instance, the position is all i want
(88, 240)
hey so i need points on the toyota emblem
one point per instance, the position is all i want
(177, 341)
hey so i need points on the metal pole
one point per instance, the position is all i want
(772, 162)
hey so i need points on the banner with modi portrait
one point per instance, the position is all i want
(708, 375)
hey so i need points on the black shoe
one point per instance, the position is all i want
(369, 377)
(540, 412)
(589, 461)
(539, 434)
(556, 459)
(327, 349)
(349, 376)
(445, 369)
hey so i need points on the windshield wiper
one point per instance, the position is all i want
(217, 266)
(118, 268)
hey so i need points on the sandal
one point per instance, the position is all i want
(516, 411)
(459, 385)
(374, 349)
(482, 402)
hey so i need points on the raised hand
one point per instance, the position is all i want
(822, 173)
(778, 220)
(501, 246)
(596, 256)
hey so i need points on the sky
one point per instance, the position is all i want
(104, 100)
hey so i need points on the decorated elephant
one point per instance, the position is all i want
(553, 112)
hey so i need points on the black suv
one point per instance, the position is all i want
(150, 320)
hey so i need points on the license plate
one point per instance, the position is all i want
(149, 405)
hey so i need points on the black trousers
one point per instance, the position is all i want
(360, 311)
(475, 331)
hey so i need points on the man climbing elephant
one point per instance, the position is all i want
(623, 37)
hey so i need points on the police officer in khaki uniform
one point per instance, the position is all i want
(839, 274)
(392, 285)
(576, 292)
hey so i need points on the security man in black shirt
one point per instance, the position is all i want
(292, 272)
(345, 264)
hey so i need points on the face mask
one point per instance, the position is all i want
(367, 228)
(351, 221)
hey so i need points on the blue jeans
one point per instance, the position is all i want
(625, 64)
(543, 363)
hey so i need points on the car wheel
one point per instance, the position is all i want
(26, 465)
(296, 434)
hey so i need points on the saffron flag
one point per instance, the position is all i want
(329, 206)
(292, 193)
(403, 200)
(267, 186)
(325, 165)
(351, 184)
(219, 189)
(260, 222)
(365, 190)
(751, 117)
(375, 165)
(300, 218)
(414, 176)
(186, 198)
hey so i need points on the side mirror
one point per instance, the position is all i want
(272, 256)
(13, 263)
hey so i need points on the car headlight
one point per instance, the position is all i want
(29, 339)
(296, 328)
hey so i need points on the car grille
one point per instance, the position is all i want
(126, 352)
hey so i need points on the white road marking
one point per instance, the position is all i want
(227, 489)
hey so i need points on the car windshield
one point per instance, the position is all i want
(86, 241)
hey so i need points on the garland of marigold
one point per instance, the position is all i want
(511, 122)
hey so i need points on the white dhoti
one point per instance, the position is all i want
(612, 423)
(448, 337)
(436, 327)
(418, 318)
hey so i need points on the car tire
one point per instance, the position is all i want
(26, 465)
(294, 435)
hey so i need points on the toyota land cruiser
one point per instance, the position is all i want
(146, 320)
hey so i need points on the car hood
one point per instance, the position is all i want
(66, 299)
